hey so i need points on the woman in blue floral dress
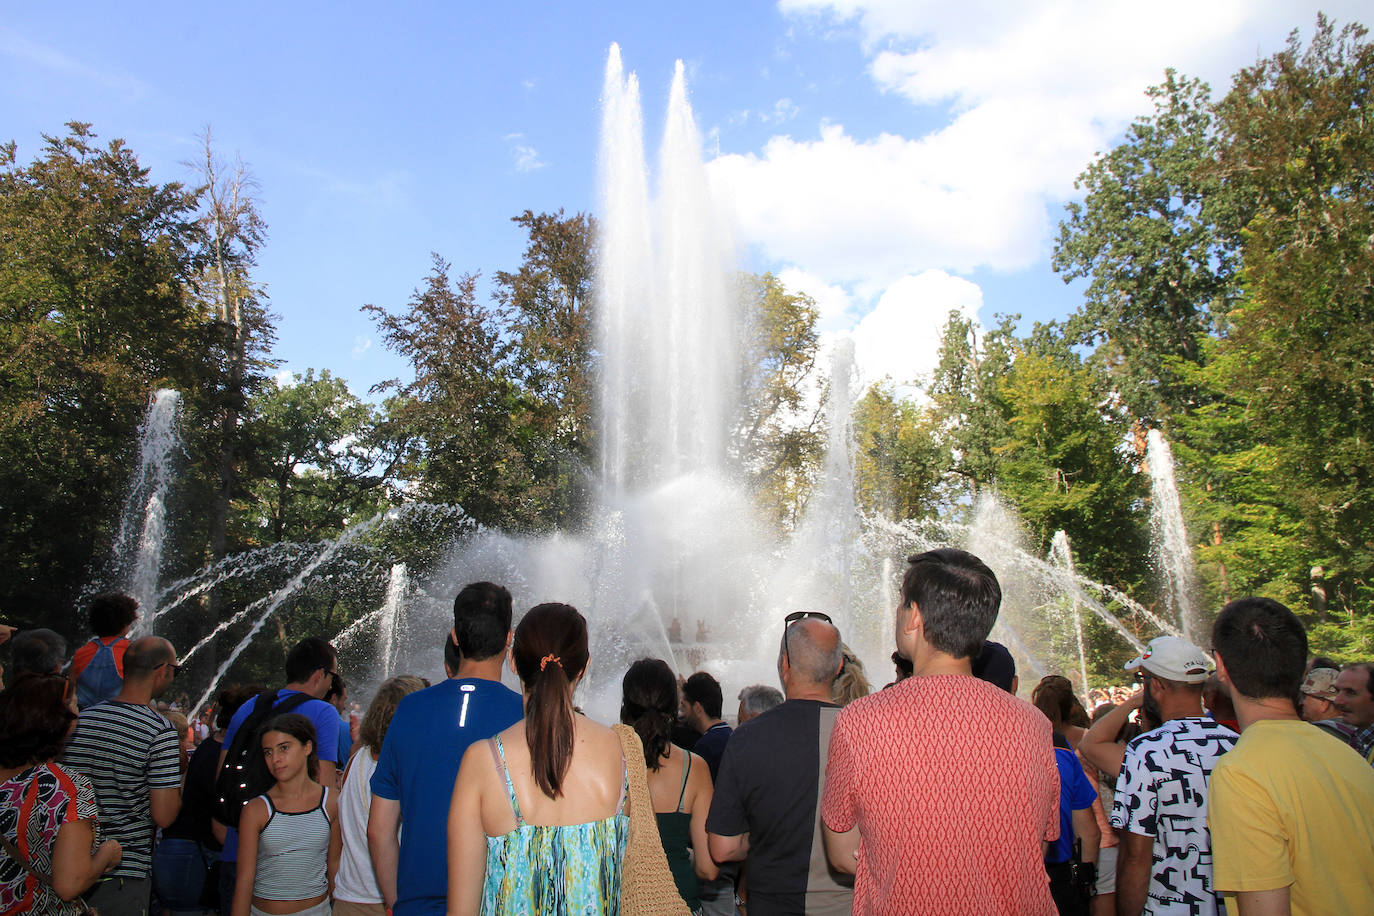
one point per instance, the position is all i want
(537, 823)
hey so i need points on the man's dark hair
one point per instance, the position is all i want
(704, 689)
(958, 597)
(308, 656)
(337, 687)
(230, 699)
(1367, 667)
(1323, 661)
(452, 657)
(1264, 647)
(481, 620)
(112, 612)
(40, 651)
(994, 664)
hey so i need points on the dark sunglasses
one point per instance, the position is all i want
(802, 615)
(793, 618)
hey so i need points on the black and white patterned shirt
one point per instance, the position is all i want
(1162, 793)
(125, 750)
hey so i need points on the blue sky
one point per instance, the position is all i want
(894, 158)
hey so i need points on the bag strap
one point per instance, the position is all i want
(686, 771)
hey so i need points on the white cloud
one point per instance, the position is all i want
(833, 302)
(1031, 92)
(900, 338)
(285, 378)
(361, 345)
(526, 157)
(848, 209)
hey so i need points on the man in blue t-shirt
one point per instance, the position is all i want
(310, 669)
(424, 746)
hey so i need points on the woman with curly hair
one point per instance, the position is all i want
(48, 816)
(355, 889)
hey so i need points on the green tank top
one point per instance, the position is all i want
(675, 831)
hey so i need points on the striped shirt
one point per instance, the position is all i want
(126, 750)
(293, 852)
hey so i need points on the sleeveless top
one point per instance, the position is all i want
(356, 882)
(675, 831)
(293, 853)
(554, 871)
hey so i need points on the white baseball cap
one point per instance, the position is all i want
(1174, 659)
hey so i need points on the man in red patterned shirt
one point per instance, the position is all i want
(942, 790)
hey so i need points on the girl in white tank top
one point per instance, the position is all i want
(289, 839)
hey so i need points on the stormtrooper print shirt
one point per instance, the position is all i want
(1162, 792)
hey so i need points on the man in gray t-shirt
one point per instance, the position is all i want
(765, 809)
(132, 757)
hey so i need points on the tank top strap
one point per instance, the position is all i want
(271, 808)
(498, 754)
(686, 769)
(324, 798)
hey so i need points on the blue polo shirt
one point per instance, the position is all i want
(420, 757)
(1075, 794)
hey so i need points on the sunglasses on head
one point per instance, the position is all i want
(793, 618)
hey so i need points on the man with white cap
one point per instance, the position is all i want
(1160, 808)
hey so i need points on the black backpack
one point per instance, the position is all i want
(245, 776)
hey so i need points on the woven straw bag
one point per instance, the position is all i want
(646, 885)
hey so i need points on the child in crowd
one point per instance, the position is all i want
(289, 840)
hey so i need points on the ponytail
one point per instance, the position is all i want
(549, 728)
(649, 701)
(550, 652)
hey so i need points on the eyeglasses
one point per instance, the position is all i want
(793, 618)
(176, 669)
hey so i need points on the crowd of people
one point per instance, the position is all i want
(1240, 783)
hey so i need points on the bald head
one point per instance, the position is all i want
(813, 650)
(145, 656)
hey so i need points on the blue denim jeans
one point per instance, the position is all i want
(179, 869)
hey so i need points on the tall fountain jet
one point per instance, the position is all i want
(143, 523)
(667, 328)
(1169, 537)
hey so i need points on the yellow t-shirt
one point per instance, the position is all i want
(1291, 806)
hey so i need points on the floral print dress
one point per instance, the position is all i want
(567, 870)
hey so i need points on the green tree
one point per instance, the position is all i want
(94, 262)
(546, 304)
(1298, 142)
(778, 438)
(1157, 237)
(1063, 468)
(969, 405)
(901, 460)
(312, 441)
(459, 417)
(232, 233)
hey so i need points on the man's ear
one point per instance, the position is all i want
(1222, 674)
(453, 636)
(915, 623)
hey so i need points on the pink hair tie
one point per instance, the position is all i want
(544, 662)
